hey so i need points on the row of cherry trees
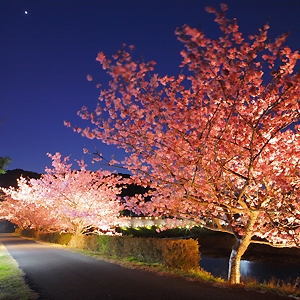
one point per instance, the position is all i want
(219, 143)
(66, 200)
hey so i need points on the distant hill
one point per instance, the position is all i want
(132, 189)
(10, 177)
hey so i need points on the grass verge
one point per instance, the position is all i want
(274, 285)
(281, 287)
(130, 262)
(12, 283)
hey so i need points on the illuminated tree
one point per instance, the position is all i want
(21, 209)
(76, 201)
(219, 143)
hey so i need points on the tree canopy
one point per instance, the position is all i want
(4, 162)
(65, 200)
(219, 142)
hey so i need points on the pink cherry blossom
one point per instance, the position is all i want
(219, 145)
(66, 200)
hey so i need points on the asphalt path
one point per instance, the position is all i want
(57, 273)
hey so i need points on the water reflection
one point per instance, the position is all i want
(260, 270)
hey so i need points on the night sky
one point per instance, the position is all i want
(46, 55)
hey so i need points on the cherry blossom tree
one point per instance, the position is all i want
(217, 144)
(76, 201)
(21, 207)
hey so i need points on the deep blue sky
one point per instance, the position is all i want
(45, 56)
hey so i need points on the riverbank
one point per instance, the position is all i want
(215, 244)
(219, 244)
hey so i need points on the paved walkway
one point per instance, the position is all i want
(59, 274)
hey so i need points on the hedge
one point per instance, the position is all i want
(180, 254)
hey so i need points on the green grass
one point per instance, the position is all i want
(12, 284)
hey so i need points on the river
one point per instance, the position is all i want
(262, 271)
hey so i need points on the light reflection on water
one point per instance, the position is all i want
(260, 270)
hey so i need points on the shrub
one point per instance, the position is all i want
(179, 254)
(64, 238)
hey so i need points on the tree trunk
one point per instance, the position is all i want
(37, 233)
(78, 231)
(239, 248)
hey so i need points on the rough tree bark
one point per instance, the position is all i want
(238, 249)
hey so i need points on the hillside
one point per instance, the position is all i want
(10, 177)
